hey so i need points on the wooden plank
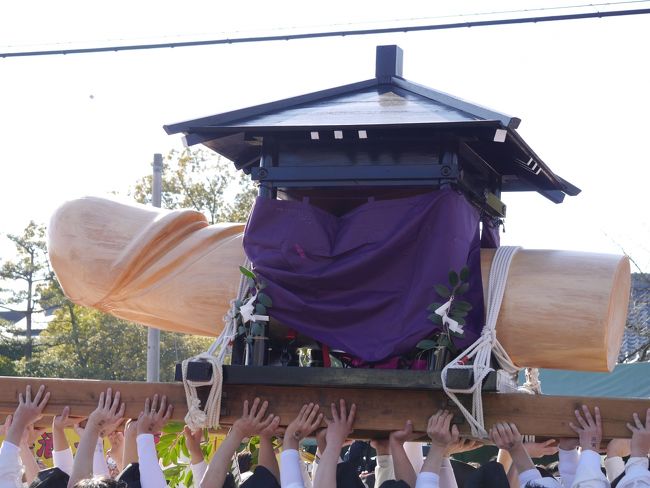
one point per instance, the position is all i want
(336, 377)
(378, 410)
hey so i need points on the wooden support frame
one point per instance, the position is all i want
(379, 410)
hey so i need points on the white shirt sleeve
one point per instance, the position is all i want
(11, 468)
(529, 475)
(447, 478)
(384, 469)
(290, 474)
(198, 470)
(568, 465)
(636, 474)
(414, 453)
(614, 466)
(305, 475)
(427, 479)
(589, 474)
(63, 460)
(100, 466)
(151, 476)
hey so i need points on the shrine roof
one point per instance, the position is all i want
(387, 101)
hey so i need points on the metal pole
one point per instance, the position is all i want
(153, 335)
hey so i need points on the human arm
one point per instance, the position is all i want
(27, 454)
(61, 452)
(250, 423)
(590, 434)
(401, 464)
(569, 458)
(29, 411)
(636, 468)
(614, 464)
(109, 410)
(151, 421)
(338, 429)
(384, 468)
(266, 455)
(130, 454)
(307, 420)
(442, 435)
(506, 436)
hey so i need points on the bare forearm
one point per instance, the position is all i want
(82, 468)
(220, 463)
(520, 459)
(326, 473)
(60, 441)
(267, 457)
(31, 466)
(433, 461)
(401, 464)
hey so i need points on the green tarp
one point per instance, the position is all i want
(626, 381)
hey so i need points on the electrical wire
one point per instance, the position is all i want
(338, 33)
(340, 24)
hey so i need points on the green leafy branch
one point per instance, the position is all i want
(457, 311)
(261, 305)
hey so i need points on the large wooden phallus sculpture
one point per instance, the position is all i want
(173, 271)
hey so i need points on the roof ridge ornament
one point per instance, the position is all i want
(389, 63)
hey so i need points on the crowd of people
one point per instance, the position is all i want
(134, 461)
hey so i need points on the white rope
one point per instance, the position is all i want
(197, 417)
(486, 345)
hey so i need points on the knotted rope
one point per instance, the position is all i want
(197, 417)
(486, 345)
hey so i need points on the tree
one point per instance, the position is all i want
(202, 181)
(28, 274)
(94, 345)
(638, 317)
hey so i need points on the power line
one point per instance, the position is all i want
(338, 33)
(339, 24)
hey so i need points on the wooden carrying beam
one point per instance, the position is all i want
(379, 410)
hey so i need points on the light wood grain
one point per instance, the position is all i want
(379, 411)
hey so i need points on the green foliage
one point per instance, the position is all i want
(85, 343)
(201, 180)
(23, 278)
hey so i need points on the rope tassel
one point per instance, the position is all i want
(487, 344)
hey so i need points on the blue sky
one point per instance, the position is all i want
(89, 124)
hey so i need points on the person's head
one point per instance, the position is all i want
(229, 482)
(245, 461)
(100, 482)
(50, 478)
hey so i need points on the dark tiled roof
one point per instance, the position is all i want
(637, 332)
(388, 102)
(11, 317)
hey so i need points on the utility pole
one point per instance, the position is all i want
(153, 335)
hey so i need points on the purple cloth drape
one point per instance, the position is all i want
(362, 282)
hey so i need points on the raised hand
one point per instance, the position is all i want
(340, 427)
(30, 410)
(307, 420)
(541, 449)
(252, 421)
(404, 435)
(193, 443)
(506, 436)
(152, 419)
(62, 421)
(4, 428)
(440, 430)
(568, 443)
(640, 443)
(590, 430)
(108, 412)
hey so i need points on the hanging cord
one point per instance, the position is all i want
(208, 417)
(486, 345)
